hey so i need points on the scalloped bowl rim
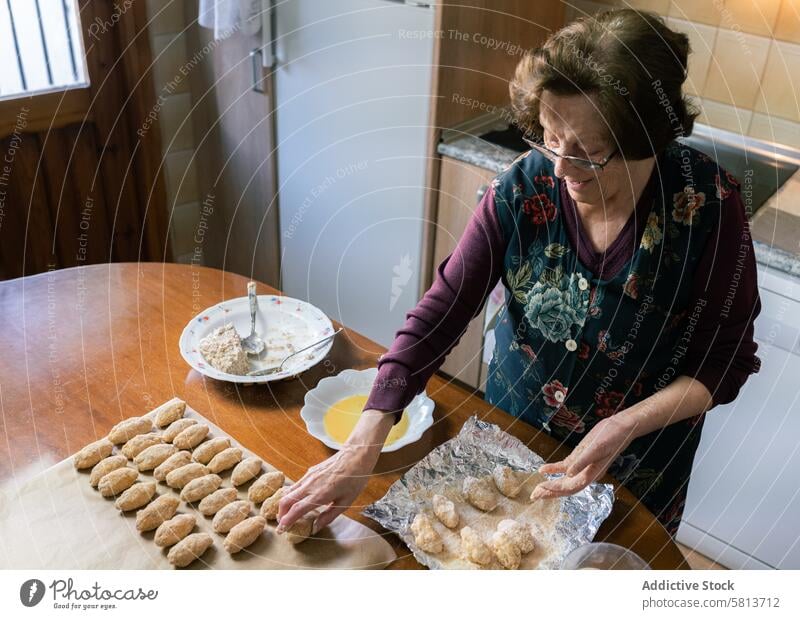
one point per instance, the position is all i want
(331, 389)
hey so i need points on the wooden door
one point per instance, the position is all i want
(235, 151)
(77, 184)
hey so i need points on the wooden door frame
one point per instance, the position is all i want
(126, 62)
(205, 118)
(119, 66)
(138, 71)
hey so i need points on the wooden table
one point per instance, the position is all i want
(86, 347)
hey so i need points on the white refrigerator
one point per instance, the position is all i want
(353, 93)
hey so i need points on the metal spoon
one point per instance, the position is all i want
(252, 344)
(279, 368)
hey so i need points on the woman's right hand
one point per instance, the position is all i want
(336, 482)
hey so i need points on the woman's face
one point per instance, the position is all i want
(574, 126)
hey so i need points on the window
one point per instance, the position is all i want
(41, 47)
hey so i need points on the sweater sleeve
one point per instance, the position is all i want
(463, 282)
(722, 352)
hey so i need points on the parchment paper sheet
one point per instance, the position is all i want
(57, 520)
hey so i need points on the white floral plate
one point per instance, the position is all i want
(359, 382)
(285, 324)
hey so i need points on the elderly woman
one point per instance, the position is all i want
(629, 274)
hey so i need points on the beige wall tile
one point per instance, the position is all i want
(656, 6)
(181, 177)
(724, 116)
(701, 39)
(779, 87)
(176, 123)
(774, 129)
(755, 17)
(183, 227)
(787, 27)
(165, 16)
(704, 11)
(169, 55)
(581, 8)
(737, 65)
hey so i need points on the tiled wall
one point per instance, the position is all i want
(744, 70)
(168, 43)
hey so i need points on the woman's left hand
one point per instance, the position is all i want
(589, 460)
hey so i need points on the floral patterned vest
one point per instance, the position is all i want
(572, 349)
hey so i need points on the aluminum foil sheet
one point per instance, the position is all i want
(477, 449)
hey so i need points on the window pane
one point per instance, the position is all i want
(40, 46)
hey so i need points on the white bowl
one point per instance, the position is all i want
(359, 382)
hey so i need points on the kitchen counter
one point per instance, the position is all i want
(89, 346)
(775, 228)
(479, 153)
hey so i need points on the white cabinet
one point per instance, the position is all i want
(743, 504)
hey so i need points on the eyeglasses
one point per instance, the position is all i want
(578, 162)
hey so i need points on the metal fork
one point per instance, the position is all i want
(279, 368)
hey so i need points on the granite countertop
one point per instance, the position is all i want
(479, 153)
(775, 228)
